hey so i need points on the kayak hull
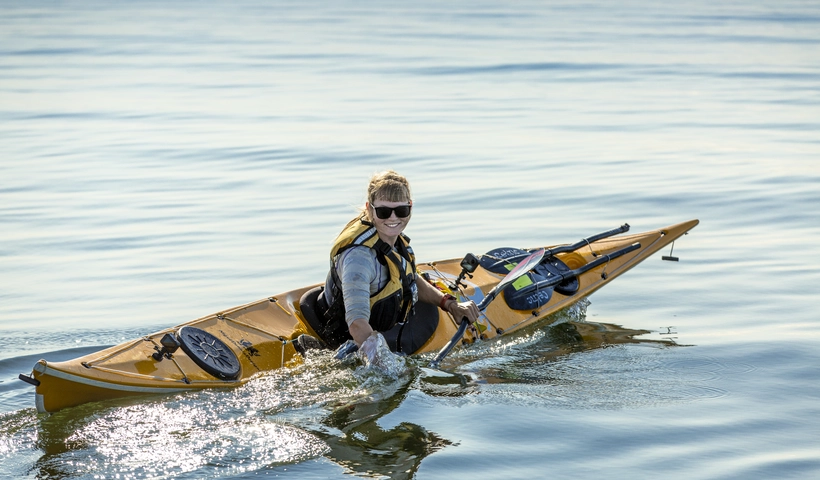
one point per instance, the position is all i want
(261, 336)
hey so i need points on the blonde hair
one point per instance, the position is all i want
(388, 186)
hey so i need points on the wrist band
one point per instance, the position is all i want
(446, 298)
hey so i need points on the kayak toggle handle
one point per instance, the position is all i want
(28, 379)
(669, 257)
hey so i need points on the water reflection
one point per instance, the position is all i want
(560, 341)
(320, 410)
(575, 364)
(176, 436)
(363, 447)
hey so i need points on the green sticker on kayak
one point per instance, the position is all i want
(521, 282)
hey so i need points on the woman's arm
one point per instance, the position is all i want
(357, 270)
(360, 329)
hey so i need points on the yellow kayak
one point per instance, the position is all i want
(228, 348)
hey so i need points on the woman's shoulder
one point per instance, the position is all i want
(358, 254)
(358, 262)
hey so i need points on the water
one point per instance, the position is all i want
(164, 160)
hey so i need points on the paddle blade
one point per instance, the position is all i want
(523, 267)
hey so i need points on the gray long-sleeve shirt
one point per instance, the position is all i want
(361, 275)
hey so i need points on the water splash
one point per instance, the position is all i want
(382, 361)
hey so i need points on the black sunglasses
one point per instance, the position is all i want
(384, 213)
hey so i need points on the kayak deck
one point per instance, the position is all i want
(501, 320)
(231, 347)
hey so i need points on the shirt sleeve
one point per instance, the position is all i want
(357, 270)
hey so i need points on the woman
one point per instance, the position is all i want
(373, 284)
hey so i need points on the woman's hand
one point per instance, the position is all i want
(377, 355)
(464, 309)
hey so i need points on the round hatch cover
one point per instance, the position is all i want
(209, 352)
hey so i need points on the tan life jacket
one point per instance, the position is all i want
(393, 302)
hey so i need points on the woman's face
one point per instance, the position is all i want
(391, 227)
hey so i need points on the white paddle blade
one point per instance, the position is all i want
(523, 267)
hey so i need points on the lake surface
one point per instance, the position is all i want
(160, 161)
